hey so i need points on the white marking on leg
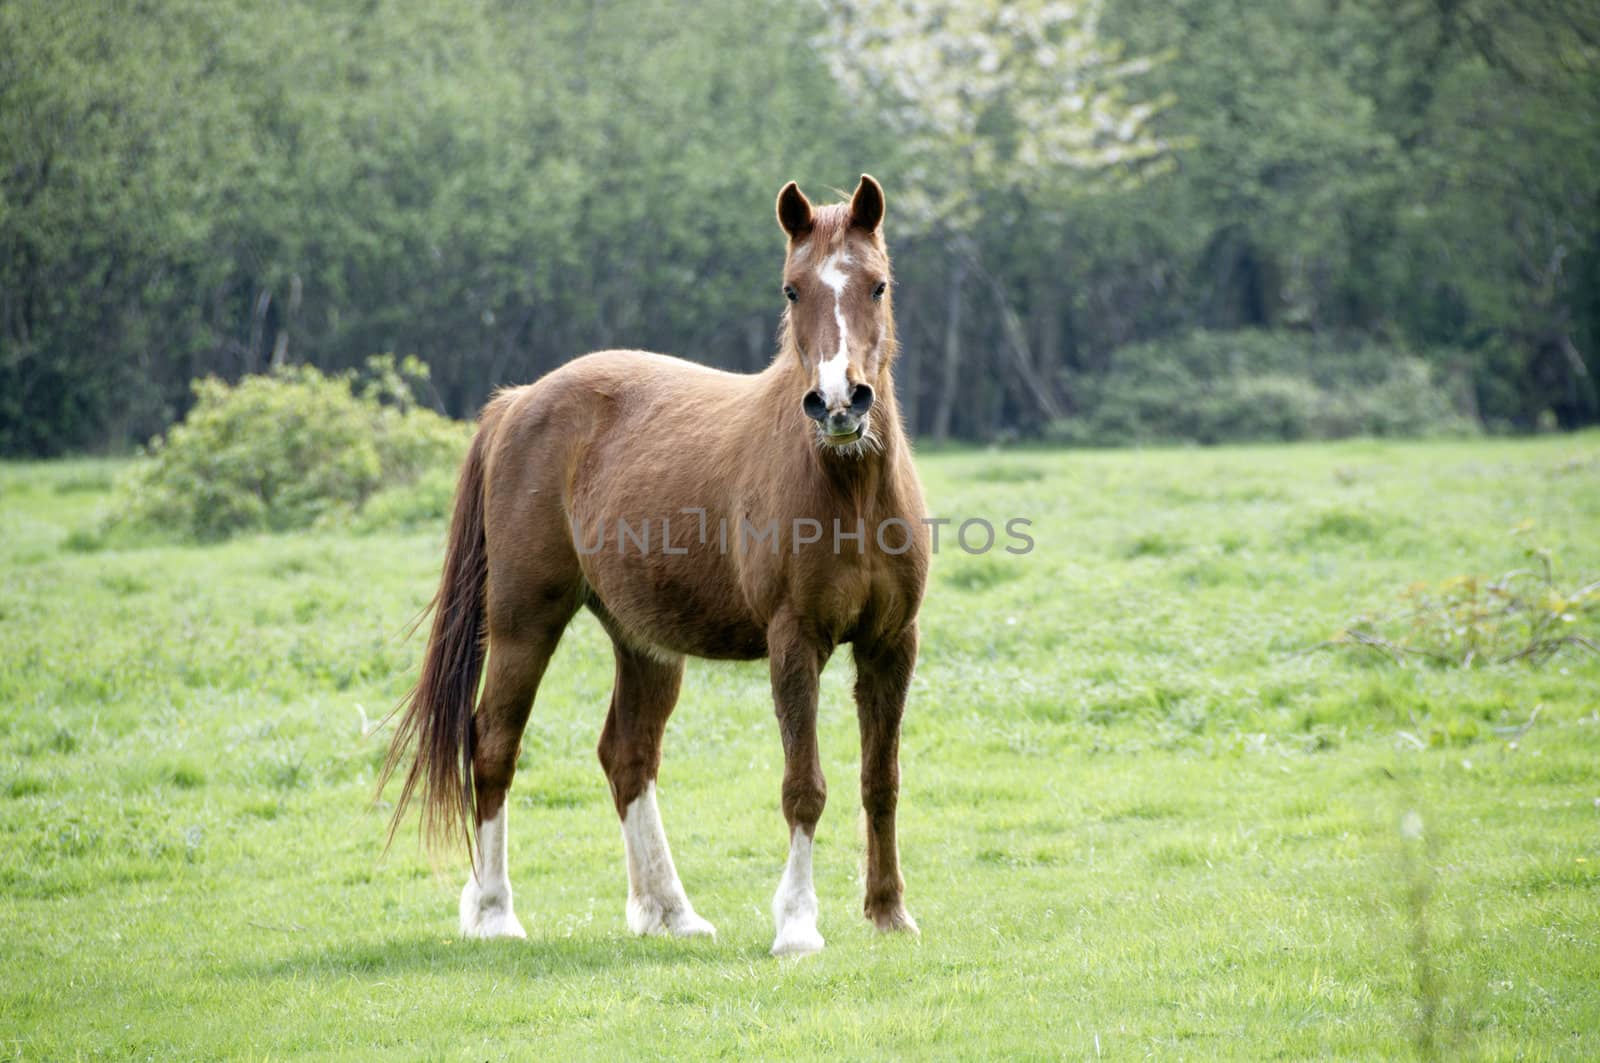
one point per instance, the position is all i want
(656, 901)
(794, 908)
(486, 899)
(831, 379)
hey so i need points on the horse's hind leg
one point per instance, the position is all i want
(630, 751)
(517, 660)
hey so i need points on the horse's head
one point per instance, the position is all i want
(836, 278)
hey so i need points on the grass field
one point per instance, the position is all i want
(1142, 815)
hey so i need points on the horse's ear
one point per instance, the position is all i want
(866, 206)
(794, 211)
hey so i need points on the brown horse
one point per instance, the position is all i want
(694, 512)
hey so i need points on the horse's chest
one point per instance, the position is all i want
(834, 598)
(848, 592)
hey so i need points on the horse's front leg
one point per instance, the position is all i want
(796, 663)
(883, 673)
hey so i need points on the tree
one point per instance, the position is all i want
(189, 189)
(993, 103)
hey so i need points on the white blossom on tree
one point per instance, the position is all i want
(987, 99)
(994, 95)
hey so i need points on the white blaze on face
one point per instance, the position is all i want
(794, 908)
(831, 379)
(656, 901)
(486, 899)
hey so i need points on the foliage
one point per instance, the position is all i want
(284, 450)
(990, 105)
(423, 503)
(1134, 817)
(190, 189)
(987, 99)
(1523, 615)
(193, 190)
(411, 440)
(1416, 170)
(1246, 386)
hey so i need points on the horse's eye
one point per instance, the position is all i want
(789, 293)
(877, 293)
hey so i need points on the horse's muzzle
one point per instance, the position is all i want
(843, 425)
(842, 428)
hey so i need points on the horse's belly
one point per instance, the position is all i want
(677, 607)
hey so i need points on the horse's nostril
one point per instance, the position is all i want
(860, 399)
(815, 408)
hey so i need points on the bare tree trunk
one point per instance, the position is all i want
(258, 322)
(280, 349)
(506, 346)
(952, 350)
(1038, 388)
(1046, 314)
(910, 389)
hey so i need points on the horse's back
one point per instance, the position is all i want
(620, 438)
(634, 376)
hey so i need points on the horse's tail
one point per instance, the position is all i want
(437, 714)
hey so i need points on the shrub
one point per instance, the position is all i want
(422, 502)
(277, 452)
(1525, 615)
(1212, 387)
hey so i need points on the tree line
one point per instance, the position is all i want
(190, 189)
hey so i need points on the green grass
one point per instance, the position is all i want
(1137, 818)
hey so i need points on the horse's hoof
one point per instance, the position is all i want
(895, 920)
(487, 917)
(650, 917)
(687, 924)
(492, 924)
(797, 939)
